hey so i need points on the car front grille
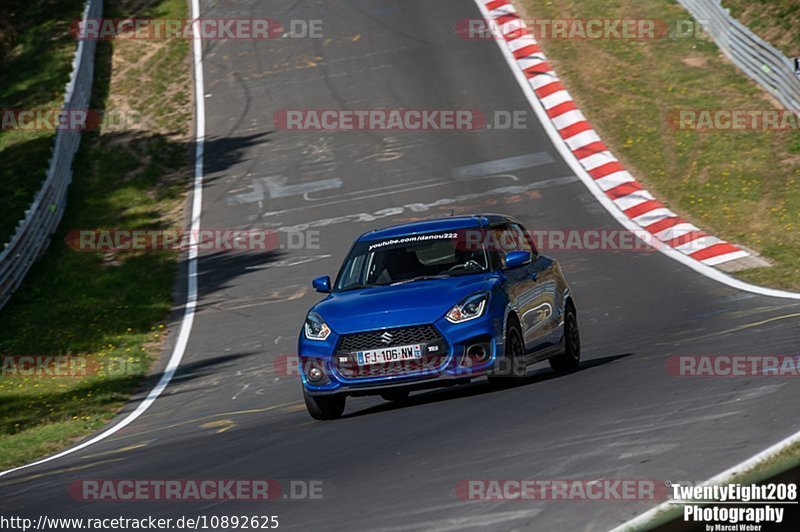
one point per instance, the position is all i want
(345, 360)
(423, 334)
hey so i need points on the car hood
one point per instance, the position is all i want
(396, 306)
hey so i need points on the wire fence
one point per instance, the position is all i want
(758, 59)
(32, 234)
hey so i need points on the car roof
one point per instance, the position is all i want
(451, 223)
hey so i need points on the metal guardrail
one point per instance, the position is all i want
(32, 235)
(759, 59)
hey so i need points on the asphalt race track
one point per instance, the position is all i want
(231, 413)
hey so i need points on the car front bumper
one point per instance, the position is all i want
(451, 365)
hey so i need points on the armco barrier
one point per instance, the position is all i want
(759, 59)
(33, 232)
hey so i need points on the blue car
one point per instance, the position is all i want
(435, 303)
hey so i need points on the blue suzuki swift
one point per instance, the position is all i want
(435, 303)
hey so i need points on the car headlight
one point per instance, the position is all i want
(316, 329)
(469, 309)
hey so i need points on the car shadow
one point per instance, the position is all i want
(481, 387)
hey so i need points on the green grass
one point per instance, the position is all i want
(104, 305)
(775, 21)
(743, 186)
(36, 52)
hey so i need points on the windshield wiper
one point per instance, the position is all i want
(421, 278)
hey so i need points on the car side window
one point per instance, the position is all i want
(352, 273)
(523, 239)
(507, 238)
(502, 242)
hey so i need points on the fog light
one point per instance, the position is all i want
(476, 352)
(315, 374)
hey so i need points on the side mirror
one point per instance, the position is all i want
(322, 284)
(516, 259)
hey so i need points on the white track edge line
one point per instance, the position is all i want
(643, 519)
(569, 157)
(191, 292)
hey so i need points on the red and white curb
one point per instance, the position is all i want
(608, 174)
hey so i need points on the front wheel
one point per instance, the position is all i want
(513, 367)
(325, 407)
(571, 357)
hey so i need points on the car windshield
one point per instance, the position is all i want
(411, 258)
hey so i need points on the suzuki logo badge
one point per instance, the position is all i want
(386, 338)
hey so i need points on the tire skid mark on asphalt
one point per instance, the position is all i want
(275, 187)
(499, 166)
(647, 448)
(381, 192)
(219, 426)
(616, 434)
(287, 263)
(278, 295)
(375, 189)
(312, 62)
(55, 472)
(647, 420)
(217, 380)
(424, 207)
(125, 449)
(720, 399)
(738, 328)
(202, 419)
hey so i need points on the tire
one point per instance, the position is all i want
(571, 357)
(395, 395)
(513, 369)
(325, 407)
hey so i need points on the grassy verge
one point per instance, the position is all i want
(744, 186)
(775, 21)
(36, 52)
(104, 307)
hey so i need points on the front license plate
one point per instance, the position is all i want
(389, 354)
